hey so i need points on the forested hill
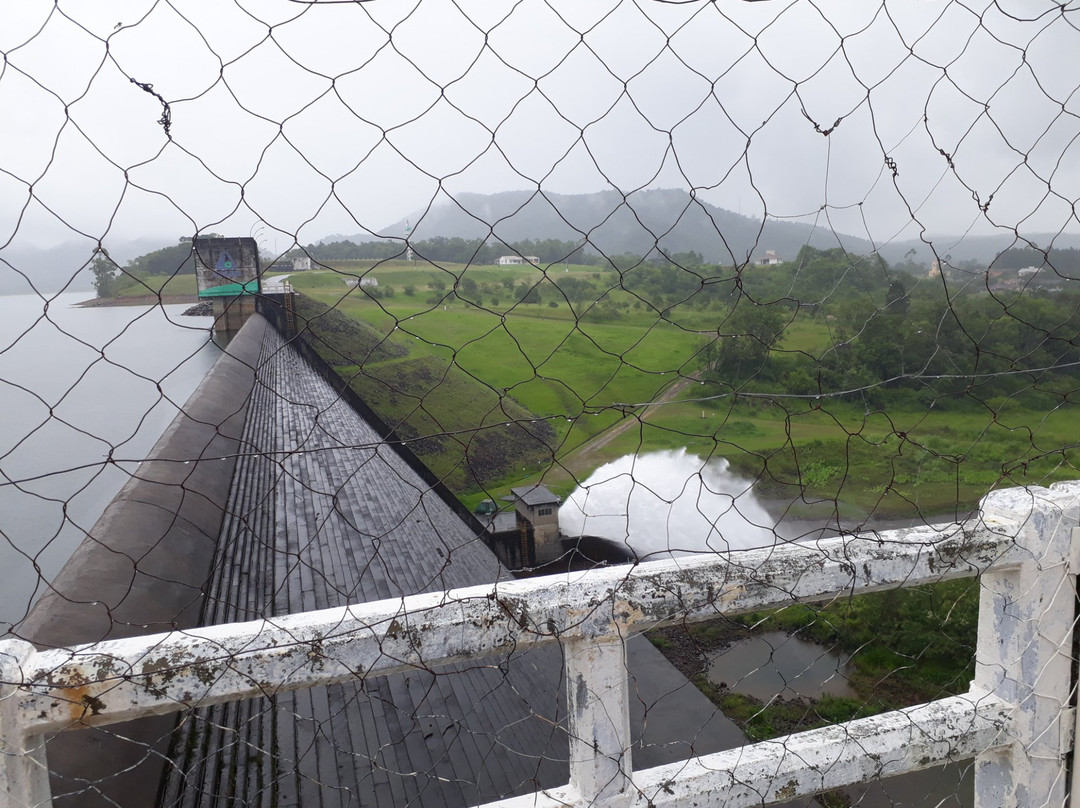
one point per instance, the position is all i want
(615, 225)
(25, 269)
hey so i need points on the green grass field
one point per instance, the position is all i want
(582, 370)
(156, 284)
(541, 356)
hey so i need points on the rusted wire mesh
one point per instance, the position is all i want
(569, 285)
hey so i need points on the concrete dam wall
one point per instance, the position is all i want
(270, 494)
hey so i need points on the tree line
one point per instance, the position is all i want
(894, 338)
(453, 250)
(1065, 262)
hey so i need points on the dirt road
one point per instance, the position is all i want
(585, 457)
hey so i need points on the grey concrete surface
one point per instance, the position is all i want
(271, 495)
(142, 569)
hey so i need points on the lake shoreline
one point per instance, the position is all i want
(89, 391)
(138, 300)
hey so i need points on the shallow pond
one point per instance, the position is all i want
(771, 664)
(775, 664)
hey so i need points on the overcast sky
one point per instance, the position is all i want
(296, 120)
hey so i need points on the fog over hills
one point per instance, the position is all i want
(27, 269)
(675, 221)
(608, 221)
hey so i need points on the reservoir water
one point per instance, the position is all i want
(85, 393)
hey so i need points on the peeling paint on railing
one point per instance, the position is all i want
(1017, 545)
(121, 679)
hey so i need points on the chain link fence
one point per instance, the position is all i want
(569, 286)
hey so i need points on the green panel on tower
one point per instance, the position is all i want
(227, 267)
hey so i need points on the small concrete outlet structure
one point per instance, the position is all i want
(227, 271)
(538, 523)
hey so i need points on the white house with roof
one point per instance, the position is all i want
(518, 260)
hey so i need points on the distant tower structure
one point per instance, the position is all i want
(935, 269)
(227, 273)
(408, 247)
(538, 523)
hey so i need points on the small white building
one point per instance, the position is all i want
(302, 264)
(367, 280)
(518, 260)
(769, 259)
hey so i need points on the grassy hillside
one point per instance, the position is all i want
(490, 396)
(138, 284)
(465, 432)
(506, 379)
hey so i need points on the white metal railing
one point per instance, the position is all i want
(1015, 721)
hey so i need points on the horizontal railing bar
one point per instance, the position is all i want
(118, 680)
(860, 751)
(807, 763)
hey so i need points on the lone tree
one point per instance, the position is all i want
(744, 340)
(106, 274)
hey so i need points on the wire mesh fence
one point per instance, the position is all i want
(570, 286)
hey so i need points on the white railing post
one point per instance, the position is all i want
(599, 699)
(24, 774)
(1026, 615)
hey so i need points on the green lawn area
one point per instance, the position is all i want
(579, 373)
(887, 463)
(537, 354)
(157, 284)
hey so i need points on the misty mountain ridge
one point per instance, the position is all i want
(671, 219)
(26, 270)
(611, 224)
